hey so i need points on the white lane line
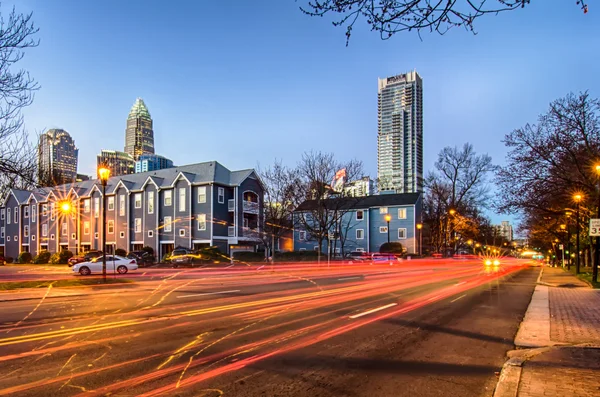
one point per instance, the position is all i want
(229, 266)
(373, 310)
(460, 297)
(260, 267)
(209, 293)
(349, 278)
(462, 282)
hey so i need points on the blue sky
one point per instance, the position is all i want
(246, 82)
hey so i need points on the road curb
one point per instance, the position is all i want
(508, 383)
(534, 330)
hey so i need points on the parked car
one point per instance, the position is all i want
(75, 260)
(89, 255)
(359, 256)
(384, 257)
(143, 258)
(114, 263)
(181, 256)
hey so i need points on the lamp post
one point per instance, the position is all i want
(388, 218)
(563, 228)
(104, 174)
(577, 198)
(420, 229)
(568, 215)
(597, 251)
(65, 209)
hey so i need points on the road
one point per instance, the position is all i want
(417, 328)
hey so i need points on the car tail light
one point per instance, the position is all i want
(132, 262)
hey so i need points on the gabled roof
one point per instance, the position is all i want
(347, 203)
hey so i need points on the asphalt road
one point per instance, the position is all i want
(419, 328)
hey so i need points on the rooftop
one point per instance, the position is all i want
(139, 109)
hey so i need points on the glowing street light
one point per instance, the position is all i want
(104, 174)
(577, 198)
(65, 207)
(388, 218)
(420, 229)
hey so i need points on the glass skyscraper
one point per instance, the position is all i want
(118, 163)
(152, 162)
(139, 136)
(57, 158)
(400, 134)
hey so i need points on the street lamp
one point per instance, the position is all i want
(388, 218)
(420, 229)
(568, 215)
(451, 212)
(104, 174)
(577, 198)
(597, 252)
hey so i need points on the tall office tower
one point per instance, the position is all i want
(118, 163)
(400, 134)
(506, 230)
(152, 162)
(57, 158)
(139, 137)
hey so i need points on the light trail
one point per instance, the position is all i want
(349, 278)
(460, 297)
(209, 293)
(373, 310)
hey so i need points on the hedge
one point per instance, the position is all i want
(61, 257)
(391, 248)
(25, 257)
(120, 252)
(42, 258)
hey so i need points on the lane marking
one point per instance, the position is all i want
(209, 293)
(373, 310)
(462, 282)
(460, 297)
(228, 267)
(349, 278)
(260, 267)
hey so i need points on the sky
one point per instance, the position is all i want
(247, 82)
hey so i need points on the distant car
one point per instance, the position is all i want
(113, 263)
(143, 258)
(383, 257)
(75, 260)
(490, 262)
(181, 256)
(359, 256)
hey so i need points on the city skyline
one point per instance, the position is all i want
(57, 158)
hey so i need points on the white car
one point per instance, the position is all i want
(113, 263)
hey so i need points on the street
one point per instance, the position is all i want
(415, 328)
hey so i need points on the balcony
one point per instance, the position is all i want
(250, 207)
(251, 233)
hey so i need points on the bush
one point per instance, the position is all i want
(210, 253)
(61, 257)
(42, 258)
(149, 250)
(249, 256)
(9, 259)
(120, 252)
(295, 256)
(391, 248)
(25, 257)
(54, 258)
(166, 258)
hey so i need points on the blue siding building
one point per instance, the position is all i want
(361, 224)
(192, 206)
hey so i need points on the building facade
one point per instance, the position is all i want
(57, 158)
(400, 133)
(192, 206)
(139, 136)
(119, 163)
(152, 162)
(360, 187)
(506, 230)
(362, 225)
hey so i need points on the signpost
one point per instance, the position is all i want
(595, 227)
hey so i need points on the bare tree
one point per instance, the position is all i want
(392, 16)
(17, 155)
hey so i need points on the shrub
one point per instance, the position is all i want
(120, 252)
(25, 257)
(249, 256)
(9, 259)
(65, 255)
(42, 257)
(54, 258)
(148, 249)
(210, 253)
(391, 248)
(295, 256)
(166, 258)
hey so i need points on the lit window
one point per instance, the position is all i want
(167, 223)
(111, 203)
(168, 198)
(151, 202)
(138, 200)
(86, 228)
(383, 229)
(221, 195)
(383, 210)
(201, 221)
(138, 225)
(111, 227)
(401, 213)
(360, 234)
(360, 215)
(181, 199)
(86, 206)
(202, 194)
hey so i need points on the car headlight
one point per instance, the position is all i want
(496, 262)
(488, 262)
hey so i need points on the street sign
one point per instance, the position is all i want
(595, 227)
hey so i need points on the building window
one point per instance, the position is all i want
(33, 212)
(150, 233)
(86, 228)
(96, 207)
(402, 234)
(44, 209)
(201, 221)
(122, 205)
(383, 210)
(167, 223)
(25, 231)
(8, 217)
(2, 229)
(401, 213)
(138, 225)
(111, 203)
(202, 194)
(45, 230)
(7, 238)
(137, 198)
(111, 227)
(16, 214)
(121, 234)
(151, 202)
(73, 236)
(302, 235)
(168, 198)
(383, 229)
(73, 212)
(181, 199)
(33, 237)
(360, 215)
(52, 211)
(52, 237)
(86, 206)
(2, 214)
(96, 236)
(181, 232)
(221, 195)
(360, 234)
(64, 231)
(26, 212)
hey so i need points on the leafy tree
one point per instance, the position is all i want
(388, 17)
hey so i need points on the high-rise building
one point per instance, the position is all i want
(118, 163)
(152, 162)
(506, 230)
(139, 137)
(400, 133)
(57, 158)
(360, 187)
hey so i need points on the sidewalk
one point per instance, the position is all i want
(558, 341)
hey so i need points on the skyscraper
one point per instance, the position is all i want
(118, 163)
(139, 137)
(152, 162)
(57, 158)
(400, 133)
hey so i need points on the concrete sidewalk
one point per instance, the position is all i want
(558, 341)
